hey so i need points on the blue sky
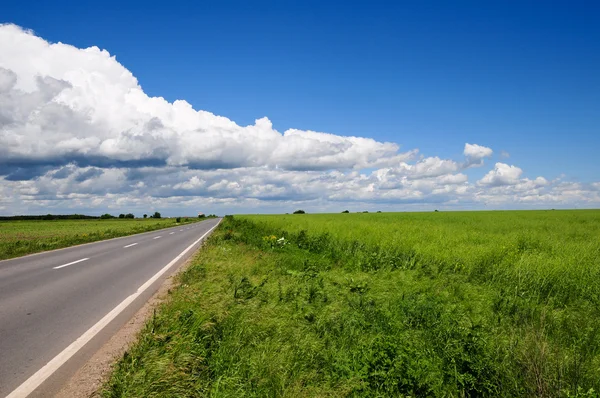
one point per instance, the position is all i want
(516, 76)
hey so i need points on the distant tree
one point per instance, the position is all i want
(129, 215)
(201, 215)
(178, 219)
(299, 212)
(346, 211)
(436, 210)
(366, 211)
(121, 215)
(145, 215)
(378, 211)
(156, 215)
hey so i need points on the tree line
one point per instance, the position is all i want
(84, 217)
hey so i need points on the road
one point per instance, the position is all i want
(50, 300)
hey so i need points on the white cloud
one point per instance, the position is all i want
(476, 153)
(78, 132)
(81, 105)
(502, 174)
(192, 183)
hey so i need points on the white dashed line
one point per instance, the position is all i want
(74, 262)
(171, 233)
(157, 237)
(133, 244)
(181, 230)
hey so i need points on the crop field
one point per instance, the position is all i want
(18, 238)
(386, 304)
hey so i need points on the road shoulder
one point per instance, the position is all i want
(88, 380)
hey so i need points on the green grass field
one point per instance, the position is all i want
(392, 304)
(18, 238)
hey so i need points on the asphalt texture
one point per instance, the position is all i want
(50, 299)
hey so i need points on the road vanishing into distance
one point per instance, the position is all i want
(57, 308)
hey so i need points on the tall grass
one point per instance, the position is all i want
(461, 304)
(550, 255)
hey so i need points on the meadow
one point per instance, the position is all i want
(445, 304)
(18, 238)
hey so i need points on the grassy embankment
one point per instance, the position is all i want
(436, 304)
(18, 238)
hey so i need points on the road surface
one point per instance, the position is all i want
(50, 300)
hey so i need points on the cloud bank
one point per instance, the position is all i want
(78, 131)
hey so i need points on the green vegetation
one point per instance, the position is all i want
(411, 304)
(18, 238)
(50, 217)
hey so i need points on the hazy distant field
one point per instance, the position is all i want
(390, 304)
(18, 238)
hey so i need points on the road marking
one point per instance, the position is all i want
(133, 244)
(47, 370)
(171, 233)
(71, 263)
(156, 237)
(181, 230)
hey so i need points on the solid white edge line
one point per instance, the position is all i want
(71, 263)
(55, 363)
(133, 244)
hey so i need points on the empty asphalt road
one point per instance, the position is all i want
(50, 300)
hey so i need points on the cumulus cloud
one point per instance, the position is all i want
(65, 105)
(475, 154)
(425, 168)
(78, 132)
(502, 174)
